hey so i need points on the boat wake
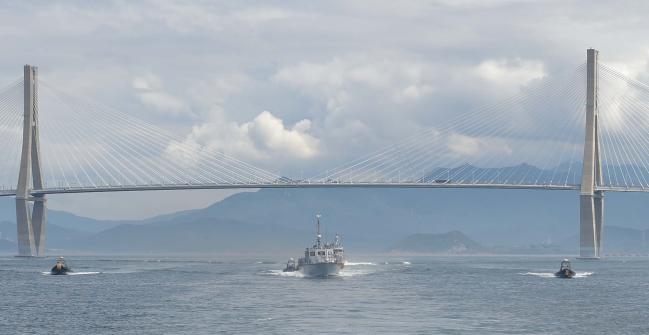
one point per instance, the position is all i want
(351, 272)
(358, 263)
(48, 273)
(551, 274)
(351, 269)
(295, 274)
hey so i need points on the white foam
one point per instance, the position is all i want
(358, 263)
(74, 273)
(551, 274)
(347, 272)
(296, 274)
(582, 274)
(540, 274)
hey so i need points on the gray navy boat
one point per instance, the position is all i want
(322, 259)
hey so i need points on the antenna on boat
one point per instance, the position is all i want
(318, 228)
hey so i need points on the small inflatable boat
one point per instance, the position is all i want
(290, 266)
(60, 268)
(565, 271)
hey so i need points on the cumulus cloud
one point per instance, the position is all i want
(272, 136)
(265, 137)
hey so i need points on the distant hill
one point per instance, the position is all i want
(201, 235)
(60, 218)
(453, 242)
(57, 237)
(376, 216)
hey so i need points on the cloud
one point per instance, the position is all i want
(270, 134)
(510, 74)
(261, 15)
(149, 90)
(266, 137)
(363, 76)
(400, 79)
(477, 147)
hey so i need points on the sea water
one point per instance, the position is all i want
(373, 295)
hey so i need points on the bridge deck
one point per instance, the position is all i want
(134, 188)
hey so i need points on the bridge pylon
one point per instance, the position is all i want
(30, 220)
(591, 202)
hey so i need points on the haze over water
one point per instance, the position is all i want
(374, 295)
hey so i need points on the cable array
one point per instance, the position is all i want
(11, 127)
(623, 109)
(532, 138)
(87, 145)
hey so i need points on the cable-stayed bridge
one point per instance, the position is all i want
(583, 131)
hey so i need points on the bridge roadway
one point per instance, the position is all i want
(171, 187)
(163, 187)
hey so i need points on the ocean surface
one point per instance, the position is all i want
(373, 295)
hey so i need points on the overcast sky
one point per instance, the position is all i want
(297, 86)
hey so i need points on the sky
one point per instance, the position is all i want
(296, 87)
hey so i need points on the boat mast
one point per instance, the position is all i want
(318, 236)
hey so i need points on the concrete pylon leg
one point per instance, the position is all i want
(39, 225)
(587, 229)
(26, 246)
(598, 205)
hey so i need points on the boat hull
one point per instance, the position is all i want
(565, 273)
(60, 270)
(321, 269)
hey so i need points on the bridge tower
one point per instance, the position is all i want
(591, 213)
(30, 219)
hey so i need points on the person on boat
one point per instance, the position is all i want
(60, 268)
(565, 271)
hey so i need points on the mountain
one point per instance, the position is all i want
(60, 218)
(57, 237)
(453, 242)
(378, 215)
(201, 235)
